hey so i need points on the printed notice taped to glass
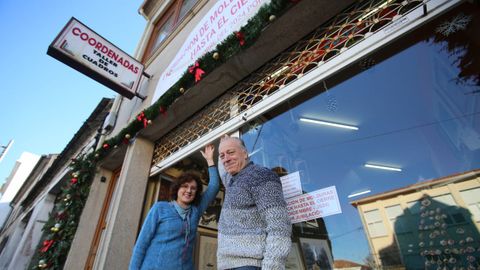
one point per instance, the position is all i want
(291, 185)
(320, 203)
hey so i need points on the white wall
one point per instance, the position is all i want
(28, 244)
(10, 247)
(25, 164)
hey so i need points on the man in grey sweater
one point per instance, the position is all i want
(254, 230)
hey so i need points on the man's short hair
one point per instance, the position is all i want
(238, 140)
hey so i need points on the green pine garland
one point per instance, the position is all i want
(61, 226)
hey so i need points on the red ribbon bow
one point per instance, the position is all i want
(241, 38)
(74, 180)
(46, 245)
(142, 118)
(196, 71)
(163, 111)
(61, 215)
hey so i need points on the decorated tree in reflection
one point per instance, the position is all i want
(446, 238)
(459, 34)
(443, 248)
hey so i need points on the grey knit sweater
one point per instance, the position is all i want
(254, 228)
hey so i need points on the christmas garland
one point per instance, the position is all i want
(62, 224)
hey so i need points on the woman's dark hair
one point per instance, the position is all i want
(185, 178)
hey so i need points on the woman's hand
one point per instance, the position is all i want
(208, 154)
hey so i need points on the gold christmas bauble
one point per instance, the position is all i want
(149, 122)
(42, 264)
(54, 229)
(216, 55)
(127, 136)
(75, 175)
(272, 18)
(182, 90)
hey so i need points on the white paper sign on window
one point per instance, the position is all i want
(291, 185)
(222, 19)
(320, 203)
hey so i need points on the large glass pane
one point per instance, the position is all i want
(186, 6)
(412, 138)
(162, 33)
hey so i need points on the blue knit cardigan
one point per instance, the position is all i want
(162, 242)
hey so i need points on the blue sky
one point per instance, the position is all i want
(44, 102)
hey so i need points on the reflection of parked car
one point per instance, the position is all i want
(212, 213)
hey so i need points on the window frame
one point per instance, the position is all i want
(471, 204)
(172, 10)
(393, 219)
(372, 228)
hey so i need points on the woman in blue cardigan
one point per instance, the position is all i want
(167, 237)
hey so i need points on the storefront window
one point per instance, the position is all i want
(403, 131)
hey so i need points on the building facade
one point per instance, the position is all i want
(342, 99)
(22, 230)
(23, 167)
(35, 199)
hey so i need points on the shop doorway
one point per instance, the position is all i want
(102, 220)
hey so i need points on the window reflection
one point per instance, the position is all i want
(439, 232)
(374, 223)
(163, 32)
(416, 107)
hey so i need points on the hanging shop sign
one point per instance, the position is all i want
(221, 20)
(84, 50)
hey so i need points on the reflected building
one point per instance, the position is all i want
(429, 225)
